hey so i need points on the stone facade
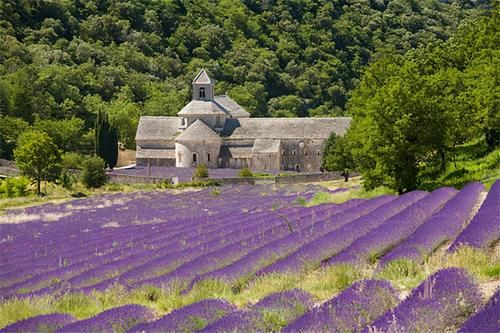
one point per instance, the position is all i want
(218, 132)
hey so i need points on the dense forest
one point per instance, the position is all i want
(62, 62)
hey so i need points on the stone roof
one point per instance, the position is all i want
(285, 128)
(266, 146)
(202, 78)
(157, 128)
(155, 153)
(198, 131)
(196, 107)
(233, 108)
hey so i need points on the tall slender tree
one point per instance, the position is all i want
(106, 140)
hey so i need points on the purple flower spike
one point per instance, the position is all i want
(189, 318)
(44, 323)
(349, 311)
(441, 303)
(486, 320)
(441, 227)
(118, 319)
(484, 229)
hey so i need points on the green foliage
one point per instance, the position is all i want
(201, 171)
(10, 129)
(106, 140)
(37, 157)
(411, 112)
(93, 172)
(245, 172)
(65, 133)
(72, 160)
(337, 155)
(14, 187)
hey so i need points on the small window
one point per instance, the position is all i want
(318, 152)
(179, 157)
(208, 157)
(283, 152)
(202, 92)
(305, 152)
(297, 167)
(294, 152)
(194, 157)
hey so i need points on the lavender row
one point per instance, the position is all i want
(441, 227)
(484, 228)
(268, 315)
(349, 311)
(44, 323)
(487, 319)
(235, 251)
(188, 318)
(381, 239)
(119, 319)
(439, 304)
(311, 254)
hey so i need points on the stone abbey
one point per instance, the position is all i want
(217, 131)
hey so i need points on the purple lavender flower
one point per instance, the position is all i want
(486, 320)
(44, 323)
(349, 311)
(381, 239)
(441, 303)
(115, 320)
(189, 318)
(269, 314)
(441, 227)
(484, 229)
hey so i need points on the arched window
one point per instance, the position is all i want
(194, 157)
(179, 157)
(208, 157)
(283, 152)
(318, 152)
(202, 92)
(297, 167)
(294, 152)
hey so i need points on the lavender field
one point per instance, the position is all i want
(253, 259)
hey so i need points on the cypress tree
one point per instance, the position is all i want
(106, 140)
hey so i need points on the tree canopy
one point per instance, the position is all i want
(69, 59)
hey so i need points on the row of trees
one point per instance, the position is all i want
(411, 112)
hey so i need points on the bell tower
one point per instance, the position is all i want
(203, 87)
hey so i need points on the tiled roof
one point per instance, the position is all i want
(198, 131)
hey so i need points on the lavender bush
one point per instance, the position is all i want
(441, 303)
(486, 320)
(349, 311)
(43, 324)
(381, 239)
(441, 227)
(114, 320)
(484, 228)
(189, 318)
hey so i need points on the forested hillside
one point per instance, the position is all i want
(61, 62)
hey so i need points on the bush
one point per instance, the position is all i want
(93, 174)
(14, 187)
(72, 160)
(245, 172)
(201, 171)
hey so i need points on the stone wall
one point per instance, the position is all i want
(8, 171)
(133, 179)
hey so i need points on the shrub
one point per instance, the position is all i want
(73, 160)
(14, 187)
(201, 171)
(93, 174)
(245, 172)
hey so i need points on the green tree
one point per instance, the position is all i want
(37, 157)
(93, 172)
(337, 156)
(106, 140)
(10, 129)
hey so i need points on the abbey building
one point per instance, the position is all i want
(218, 132)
